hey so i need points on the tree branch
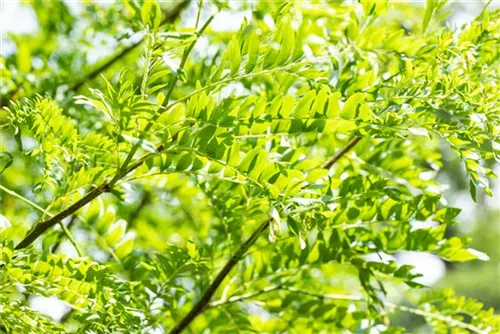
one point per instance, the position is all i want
(207, 295)
(204, 301)
(341, 153)
(169, 18)
(41, 227)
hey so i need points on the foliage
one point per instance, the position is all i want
(317, 124)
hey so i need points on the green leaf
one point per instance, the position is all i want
(6, 160)
(23, 57)
(293, 225)
(303, 108)
(151, 13)
(349, 111)
(233, 157)
(106, 220)
(116, 233)
(353, 213)
(316, 174)
(192, 251)
(175, 114)
(286, 42)
(253, 52)
(234, 55)
(478, 255)
(160, 99)
(260, 163)
(247, 160)
(287, 106)
(184, 162)
(472, 190)
(333, 110)
(124, 248)
(430, 7)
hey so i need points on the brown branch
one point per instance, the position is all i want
(341, 153)
(93, 74)
(41, 227)
(207, 295)
(204, 301)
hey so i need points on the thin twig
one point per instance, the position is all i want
(243, 297)
(59, 241)
(447, 319)
(200, 5)
(341, 153)
(71, 238)
(327, 296)
(22, 198)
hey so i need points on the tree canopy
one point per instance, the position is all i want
(164, 173)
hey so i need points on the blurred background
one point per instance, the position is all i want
(19, 21)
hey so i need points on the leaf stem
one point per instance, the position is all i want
(200, 5)
(71, 239)
(24, 199)
(58, 242)
(235, 299)
(147, 66)
(238, 77)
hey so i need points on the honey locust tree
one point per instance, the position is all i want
(200, 179)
